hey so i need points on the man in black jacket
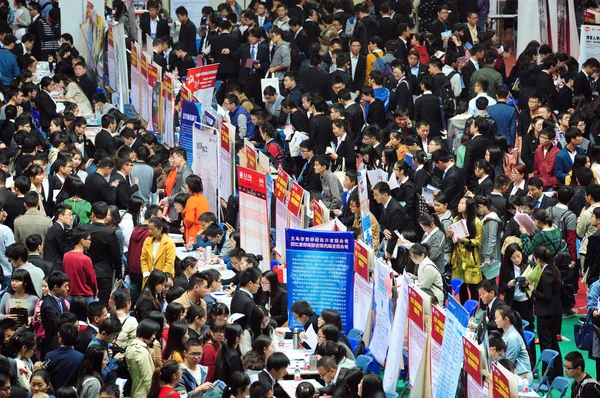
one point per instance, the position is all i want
(16, 206)
(97, 187)
(158, 47)
(300, 37)
(428, 107)
(35, 246)
(185, 61)
(304, 315)
(403, 43)
(276, 369)
(57, 241)
(222, 45)
(393, 216)
(452, 181)
(104, 139)
(376, 108)
(104, 251)
(583, 80)
(545, 82)
(96, 314)
(243, 299)
(87, 84)
(308, 179)
(476, 148)
(249, 78)
(441, 28)
(358, 65)
(187, 33)
(125, 186)
(353, 113)
(152, 24)
(58, 288)
(333, 376)
(491, 301)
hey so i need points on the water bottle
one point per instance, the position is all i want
(207, 254)
(306, 362)
(176, 73)
(296, 339)
(525, 385)
(297, 376)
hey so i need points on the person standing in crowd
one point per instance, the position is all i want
(175, 182)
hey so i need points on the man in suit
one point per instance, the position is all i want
(535, 187)
(33, 221)
(583, 83)
(472, 30)
(57, 242)
(87, 84)
(487, 295)
(222, 45)
(5, 193)
(563, 163)
(441, 27)
(472, 65)
(341, 61)
(276, 369)
(249, 78)
(125, 186)
(104, 251)
(353, 113)
(243, 299)
(305, 315)
(97, 187)
(300, 37)
(65, 361)
(184, 62)
(308, 179)
(152, 24)
(545, 82)
(333, 376)
(358, 65)
(104, 139)
(35, 245)
(375, 107)
(350, 184)
(58, 288)
(96, 313)
(452, 181)
(393, 216)
(476, 148)
(159, 45)
(428, 107)
(34, 28)
(187, 32)
(403, 43)
(386, 26)
(315, 79)
(16, 206)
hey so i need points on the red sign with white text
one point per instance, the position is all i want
(415, 307)
(281, 185)
(361, 260)
(472, 357)
(201, 77)
(296, 196)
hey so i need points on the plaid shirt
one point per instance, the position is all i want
(551, 239)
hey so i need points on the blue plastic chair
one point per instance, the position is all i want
(355, 334)
(560, 384)
(529, 336)
(353, 344)
(524, 323)
(363, 362)
(548, 356)
(391, 395)
(373, 366)
(456, 284)
(471, 306)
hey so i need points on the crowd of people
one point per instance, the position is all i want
(477, 164)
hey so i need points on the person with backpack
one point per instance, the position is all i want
(583, 384)
(489, 74)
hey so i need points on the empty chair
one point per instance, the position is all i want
(548, 356)
(456, 284)
(363, 362)
(560, 384)
(355, 334)
(524, 323)
(471, 306)
(391, 395)
(529, 336)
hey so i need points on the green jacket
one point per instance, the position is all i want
(491, 75)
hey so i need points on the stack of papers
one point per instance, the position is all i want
(459, 229)
(492, 270)
(525, 221)
(427, 193)
(533, 275)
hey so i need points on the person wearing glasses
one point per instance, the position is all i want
(583, 385)
(125, 188)
(79, 268)
(193, 375)
(139, 359)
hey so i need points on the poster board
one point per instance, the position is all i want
(363, 298)
(382, 311)
(112, 78)
(145, 104)
(395, 361)
(281, 211)
(205, 161)
(154, 91)
(320, 212)
(135, 77)
(438, 319)
(474, 365)
(365, 214)
(504, 383)
(320, 270)
(201, 82)
(295, 206)
(419, 305)
(191, 112)
(589, 43)
(253, 207)
(168, 118)
(363, 259)
(227, 162)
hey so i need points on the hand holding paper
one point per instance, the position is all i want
(312, 339)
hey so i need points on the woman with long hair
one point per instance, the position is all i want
(336, 351)
(89, 382)
(492, 226)
(548, 306)
(407, 191)
(187, 267)
(514, 263)
(74, 93)
(37, 175)
(435, 238)
(40, 382)
(131, 219)
(112, 220)
(164, 258)
(212, 346)
(352, 381)
(526, 70)
(24, 344)
(21, 287)
(510, 323)
(389, 157)
(581, 162)
(370, 158)
(164, 381)
(121, 311)
(274, 297)
(330, 317)
(173, 313)
(428, 275)
(74, 188)
(238, 387)
(329, 332)
(195, 318)
(465, 257)
(229, 357)
(196, 205)
(78, 164)
(178, 335)
(371, 386)
(151, 297)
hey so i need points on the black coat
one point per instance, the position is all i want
(484, 188)
(187, 36)
(320, 131)
(124, 190)
(14, 208)
(345, 151)
(262, 56)
(104, 251)
(88, 86)
(49, 313)
(491, 314)
(547, 295)
(162, 27)
(376, 114)
(33, 29)
(279, 307)
(393, 219)
(105, 140)
(47, 108)
(467, 71)
(452, 186)
(56, 245)
(592, 258)
(84, 339)
(427, 107)
(160, 60)
(475, 151)
(98, 189)
(402, 50)
(356, 120)
(242, 303)
(311, 181)
(545, 86)
(337, 390)
(360, 75)
(301, 40)
(401, 97)
(314, 79)
(387, 29)
(42, 264)
(504, 289)
(217, 45)
(347, 78)
(582, 86)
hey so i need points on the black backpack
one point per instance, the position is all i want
(447, 105)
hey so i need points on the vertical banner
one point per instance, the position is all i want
(121, 68)
(191, 112)
(395, 359)
(320, 270)
(365, 214)
(363, 259)
(206, 160)
(363, 298)
(168, 124)
(112, 81)
(281, 211)
(135, 77)
(455, 327)
(589, 46)
(382, 311)
(472, 355)
(418, 358)
(226, 187)
(254, 230)
(504, 383)
(251, 155)
(320, 213)
(153, 96)
(201, 82)
(146, 102)
(295, 206)
(438, 319)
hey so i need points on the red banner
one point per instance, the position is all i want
(500, 386)
(250, 157)
(145, 64)
(472, 356)
(415, 307)
(438, 318)
(361, 260)
(252, 180)
(296, 195)
(318, 213)
(281, 185)
(201, 77)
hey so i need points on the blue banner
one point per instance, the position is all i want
(191, 112)
(320, 270)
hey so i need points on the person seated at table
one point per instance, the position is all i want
(235, 255)
(274, 297)
(218, 238)
(276, 369)
(337, 351)
(205, 220)
(187, 267)
(304, 315)
(332, 333)
(333, 376)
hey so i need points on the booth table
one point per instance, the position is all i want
(182, 253)
(296, 356)
(289, 386)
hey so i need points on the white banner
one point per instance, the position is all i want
(395, 359)
(112, 78)
(382, 308)
(589, 46)
(206, 160)
(225, 153)
(120, 67)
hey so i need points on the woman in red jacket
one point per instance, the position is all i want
(211, 348)
(164, 381)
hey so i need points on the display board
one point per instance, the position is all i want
(191, 112)
(382, 311)
(205, 162)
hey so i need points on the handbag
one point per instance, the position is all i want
(584, 335)
(340, 172)
(269, 81)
